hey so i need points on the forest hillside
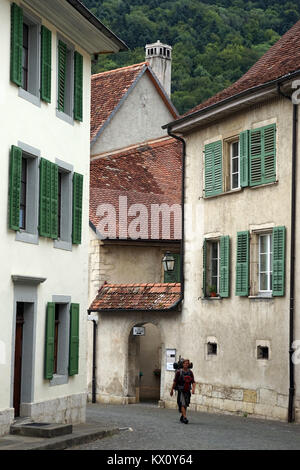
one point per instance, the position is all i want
(214, 41)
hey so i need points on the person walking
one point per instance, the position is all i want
(183, 382)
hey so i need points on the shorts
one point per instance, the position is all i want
(183, 399)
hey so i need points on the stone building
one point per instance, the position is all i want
(135, 176)
(46, 50)
(240, 315)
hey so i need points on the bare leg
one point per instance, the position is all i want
(183, 411)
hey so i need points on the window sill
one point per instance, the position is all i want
(211, 298)
(225, 193)
(58, 380)
(33, 99)
(62, 245)
(65, 117)
(27, 237)
(263, 185)
(260, 297)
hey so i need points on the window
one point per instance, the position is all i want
(262, 352)
(235, 165)
(64, 204)
(260, 263)
(216, 267)
(56, 338)
(212, 349)
(30, 61)
(69, 82)
(265, 263)
(24, 192)
(246, 160)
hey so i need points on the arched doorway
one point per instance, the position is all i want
(144, 364)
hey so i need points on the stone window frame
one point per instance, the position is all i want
(254, 261)
(35, 23)
(65, 240)
(62, 375)
(66, 116)
(31, 233)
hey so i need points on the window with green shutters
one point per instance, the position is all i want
(262, 160)
(46, 61)
(62, 73)
(15, 187)
(213, 169)
(49, 342)
(48, 225)
(74, 339)
(216, 267)
(173, 276)
(16, 52)
(278, 256)
(77, 208)
(244, 159)
(242, 265)
(78, 86)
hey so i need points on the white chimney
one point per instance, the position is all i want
(159, 57)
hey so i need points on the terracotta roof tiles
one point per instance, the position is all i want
(154, 297)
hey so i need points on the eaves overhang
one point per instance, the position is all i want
(231, 105)
(74, 20)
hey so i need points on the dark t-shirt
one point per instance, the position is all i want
(184, 380)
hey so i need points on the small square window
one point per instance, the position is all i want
(262, 352)
(212, 349)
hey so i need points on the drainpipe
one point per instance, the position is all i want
(182, 253)
(94, 361)
(291, 415)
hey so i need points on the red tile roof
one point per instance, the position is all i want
(148, 174)
(136, 297)
(109, 88)
(281, 59)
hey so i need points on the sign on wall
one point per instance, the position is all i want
(138, 331)
(170, 358)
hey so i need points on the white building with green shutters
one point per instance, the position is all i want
(45, 50)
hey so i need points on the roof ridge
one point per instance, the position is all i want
(107, 72)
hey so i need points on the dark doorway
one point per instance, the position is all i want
(18, 357)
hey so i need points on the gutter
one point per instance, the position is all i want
(88, 15)
(291, 411)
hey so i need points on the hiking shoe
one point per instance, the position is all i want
(185, 420)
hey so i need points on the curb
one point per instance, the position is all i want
(67, 441)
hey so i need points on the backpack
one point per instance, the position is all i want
(182, 387)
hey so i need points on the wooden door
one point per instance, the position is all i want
(18, 357)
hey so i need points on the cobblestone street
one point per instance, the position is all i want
(154, 428)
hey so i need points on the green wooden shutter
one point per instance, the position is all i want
(16, 47)
(204, 268)
(242, 264)
(77, 208)
(62, 68)
(46, 60)
(74, 339)
(278, 256)
(213, 169)
(48, 226)
(174, 276)
(244, 159)
(78, 86)
(263, 155)
(224, 266)
(15, 187)
(49, 342)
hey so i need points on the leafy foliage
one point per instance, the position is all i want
(214, 41)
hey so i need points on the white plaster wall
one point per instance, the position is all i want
(138, 119)
(66, 272)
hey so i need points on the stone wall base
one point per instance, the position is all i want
(69, 409)
(6, 419)
(259, 403)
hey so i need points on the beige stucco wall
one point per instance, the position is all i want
(238, 323)
(66, 272)
(138, 119)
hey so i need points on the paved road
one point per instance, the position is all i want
(154, 428)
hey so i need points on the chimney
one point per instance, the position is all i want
(159, 57)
